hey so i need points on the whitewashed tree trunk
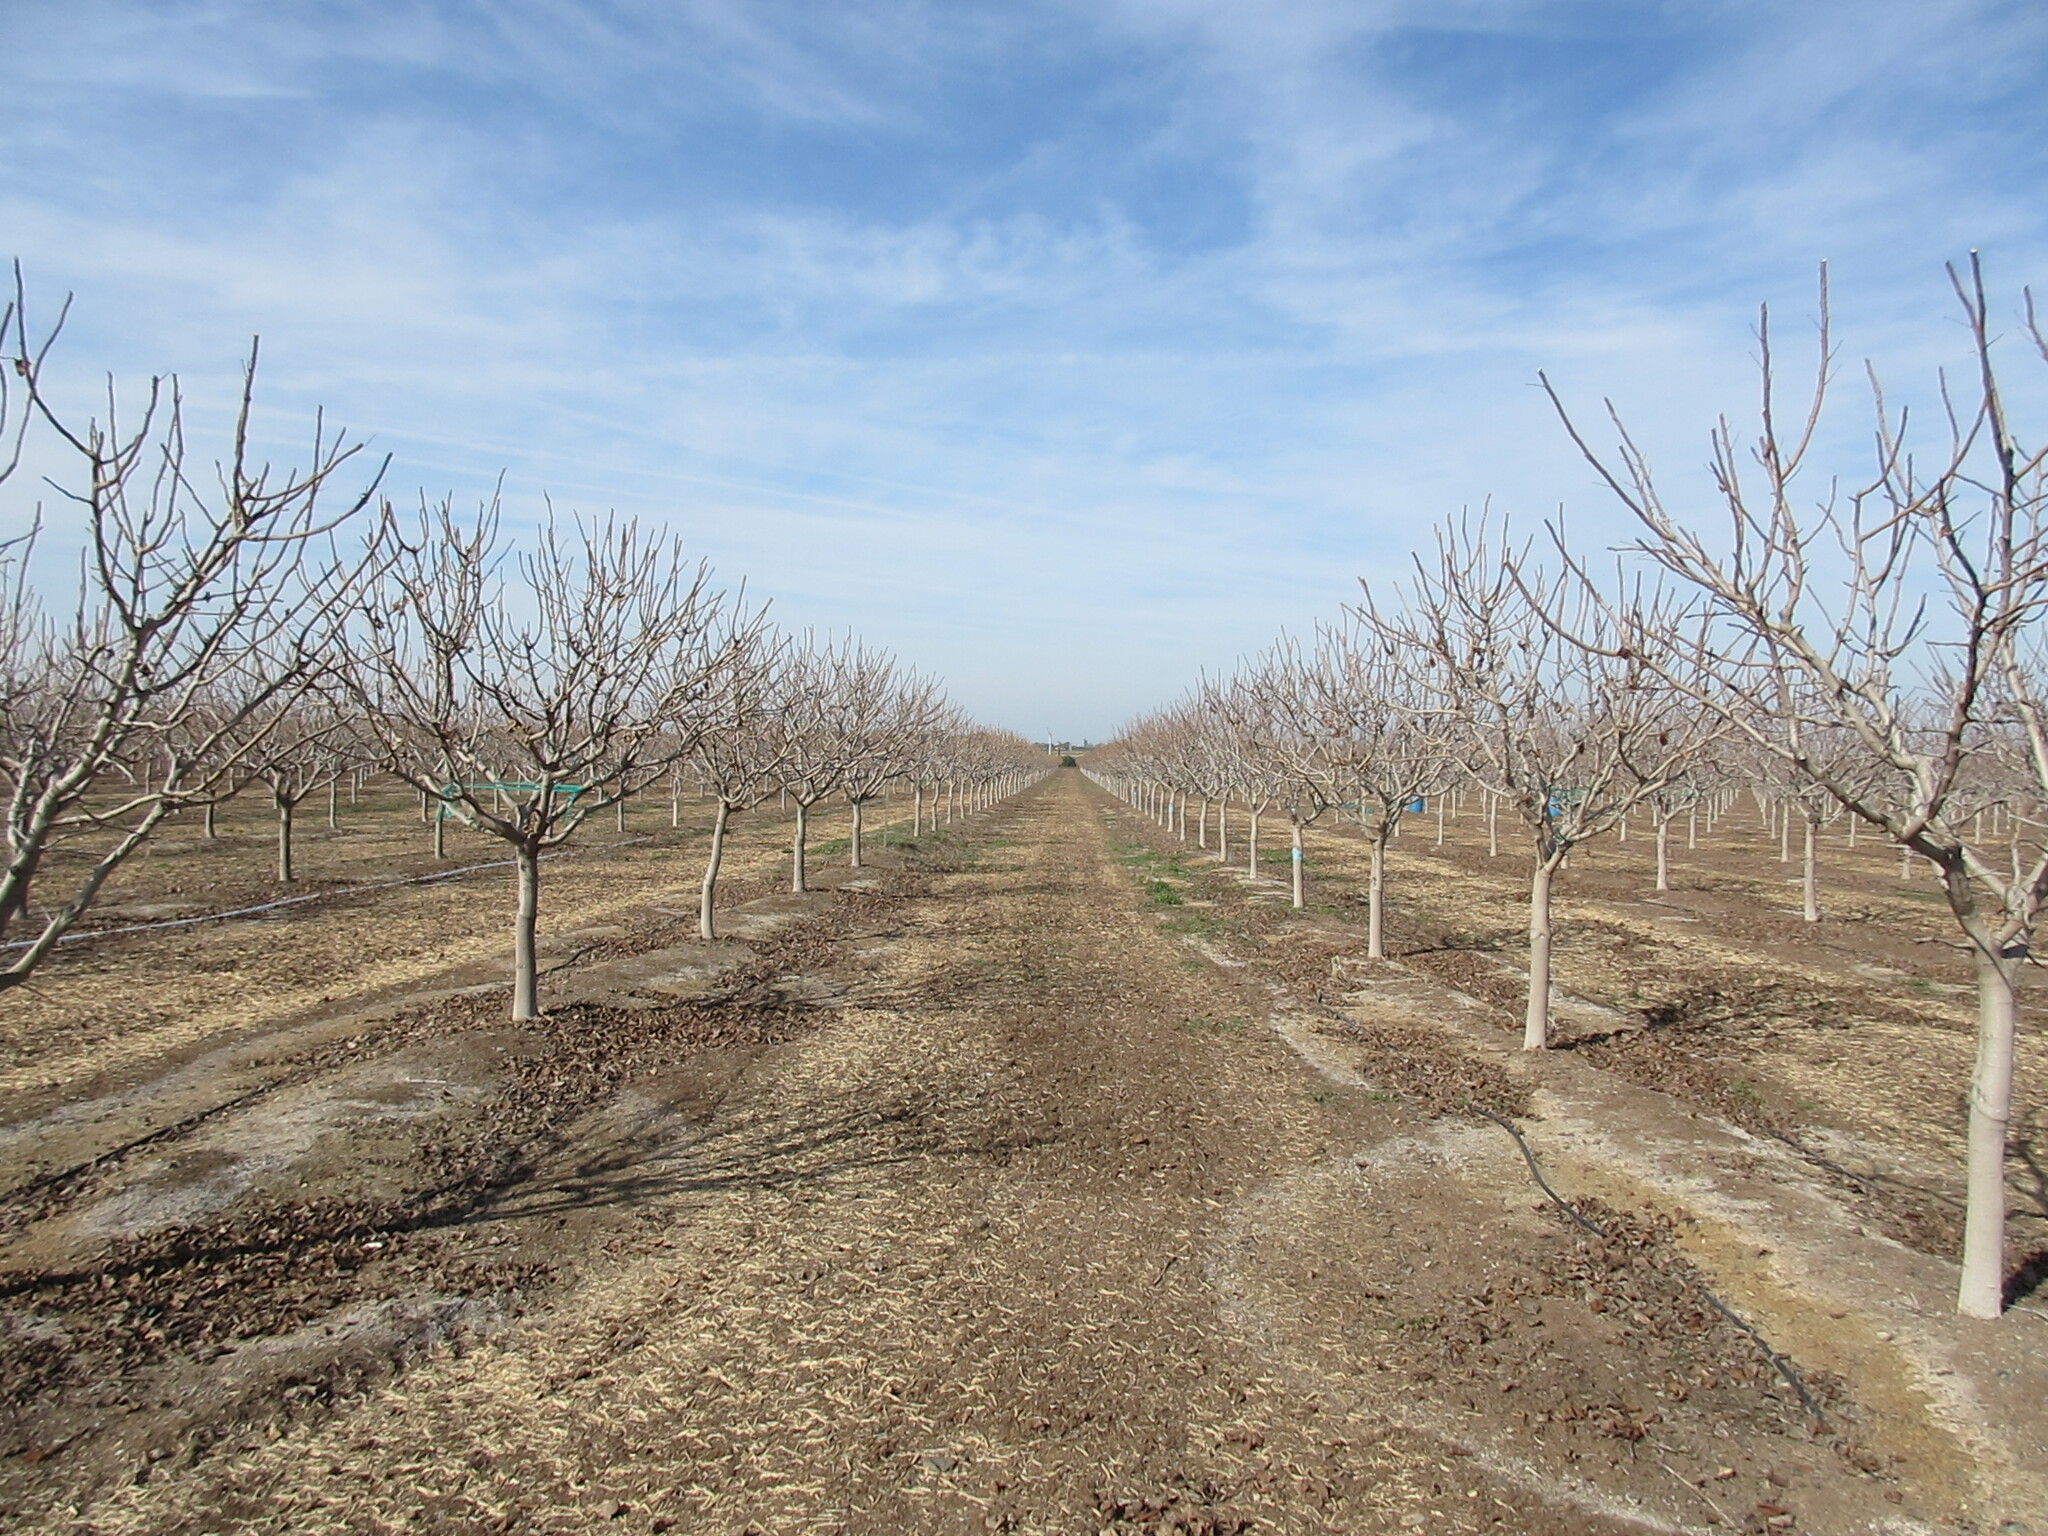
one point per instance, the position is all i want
(525, 965)
(1982, 1289)
(1376, 899)
(707, 921)
(796, 847)
(1536, 1019)
(285, 808)
(1809, 874)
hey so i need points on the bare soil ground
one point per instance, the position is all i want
(1036, 1179)
(1849, 1040)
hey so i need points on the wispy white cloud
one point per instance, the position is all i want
(1069, 348)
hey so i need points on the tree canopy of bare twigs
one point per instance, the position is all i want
(203, 610)
(741, 750)
(1571, 736)
(1884, 643)
(521, 700)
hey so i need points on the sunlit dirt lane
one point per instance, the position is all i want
(960, 1260)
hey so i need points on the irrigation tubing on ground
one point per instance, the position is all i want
(165, 1132)
(148, 1138)
(294, 901)
(1778, 1361)
(1537, 1173)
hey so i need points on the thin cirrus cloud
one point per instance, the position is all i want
(1069, 350)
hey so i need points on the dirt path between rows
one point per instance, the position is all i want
(1045, 1227)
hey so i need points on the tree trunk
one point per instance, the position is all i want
(1252, 860)
(1982, 1291)
(1663, 854)
(1536, 1021)
(1202, 825)
(1692, 830)
(707, 926)
(1222, 831)
(1439, 821)
(210, 809)
(619, 808)
(1492, 825)
(916, 811)
(333, 790)
(1294, 850)
(675, 804)
(1376, 898)
(796, 847)
(284, 839)
(441, 832)
(859, 809)
(525, 970)
(1809, 874)
(1785, 835)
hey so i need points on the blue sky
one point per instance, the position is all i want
(1066, 349)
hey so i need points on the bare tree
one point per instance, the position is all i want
(1274, 703)
(189, 593)
(1570, 736)
(811, 749)
(1384, 740)
(1902, 617)
(523, 704)
(741, 751)
(882, 715)
(927, 760)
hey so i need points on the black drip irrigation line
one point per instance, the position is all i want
(295, 901)
(1537, 1173)
(1784, 1367)
(149, 1138)
(1778, 1361)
